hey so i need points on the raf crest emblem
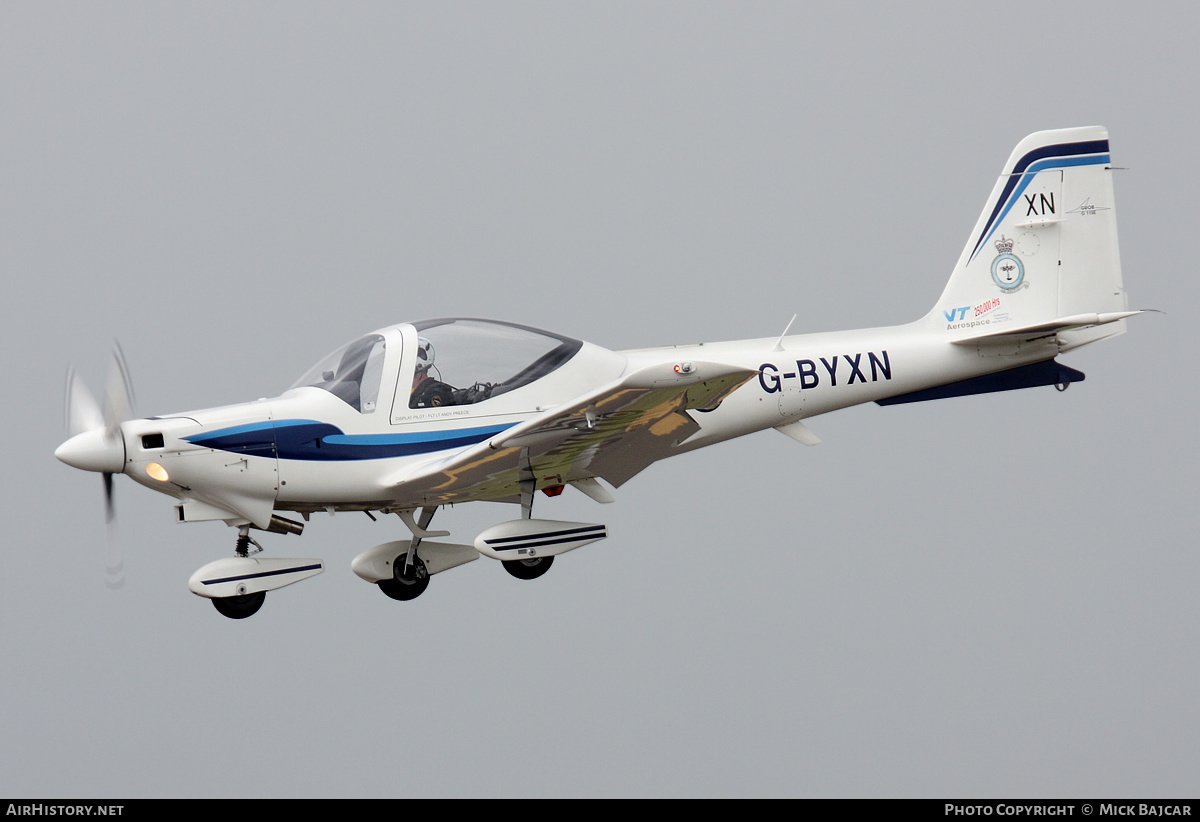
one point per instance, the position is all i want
(1007, 271)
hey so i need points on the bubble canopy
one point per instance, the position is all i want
(459, 361)
(352, 373)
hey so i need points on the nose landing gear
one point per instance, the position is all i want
(240, 607)
(238, 585)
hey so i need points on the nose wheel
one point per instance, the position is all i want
(240, 607)
(238, 585)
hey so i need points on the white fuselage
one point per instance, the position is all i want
(242, 462)
(806, 375)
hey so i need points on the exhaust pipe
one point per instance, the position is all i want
(279, 525)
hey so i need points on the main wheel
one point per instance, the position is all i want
(528, 568)
(404, 586)
(240, 607)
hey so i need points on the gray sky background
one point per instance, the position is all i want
(990, 596)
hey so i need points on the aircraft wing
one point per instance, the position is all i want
(612, 432)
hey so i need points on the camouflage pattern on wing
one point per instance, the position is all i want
(612, 433)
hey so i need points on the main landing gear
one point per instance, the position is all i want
(527, 568)
(408, 581)
(410, 576)
(402, 572)
(530, 567)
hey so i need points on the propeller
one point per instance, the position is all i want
(96, 442)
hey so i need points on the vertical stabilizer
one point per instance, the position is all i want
(1045, 246)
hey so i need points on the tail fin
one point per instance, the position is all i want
(1044, 252)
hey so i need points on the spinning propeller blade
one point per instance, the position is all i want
(96, 442)
(82, 411)
(109, 513)
(118, 392)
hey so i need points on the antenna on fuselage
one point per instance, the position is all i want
(779, 342)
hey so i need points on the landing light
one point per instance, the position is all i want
(157, 472)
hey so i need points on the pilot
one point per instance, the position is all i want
(426, 391)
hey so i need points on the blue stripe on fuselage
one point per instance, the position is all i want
(319, 441)
(256, 439)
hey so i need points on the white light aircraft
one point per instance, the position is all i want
(419, 415)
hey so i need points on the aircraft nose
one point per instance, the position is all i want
(94, 451)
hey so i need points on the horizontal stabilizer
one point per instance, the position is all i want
(1046, 329)
(1047, 372)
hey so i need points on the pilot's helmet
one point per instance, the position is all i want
(425, 355)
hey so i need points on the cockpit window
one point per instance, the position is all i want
(462, 362)
(352, 373)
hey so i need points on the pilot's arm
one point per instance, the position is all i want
(430, 393)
